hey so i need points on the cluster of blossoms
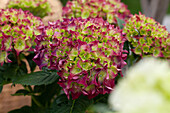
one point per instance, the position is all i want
(38, 8)
(87, 52)
(145, 89)
(17, 29)
(107, 9)
(147, 36)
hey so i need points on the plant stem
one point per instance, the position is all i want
(100, 99)
(16, 56)
(37, 102)
(18, 60)
(28, 88)
(72, 106)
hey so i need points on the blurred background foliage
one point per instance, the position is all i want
(133, 5)
(64, 2)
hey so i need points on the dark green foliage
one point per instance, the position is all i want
(37, 78)
(42, 97)
(9, 72)
(131, 57)
(39, 89)
(46, 93)
(63, 105)
(100, 108)
(25, 109)
(101, 99)
(1, 87)
(133, 5)
(64, 2)
(12, 71)
(120, 23)
(22, 92)
(29, 58)
(1, 79)
(100, 105)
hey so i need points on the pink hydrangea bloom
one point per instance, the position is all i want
(17, 32)
(107, 9)
(88, 53)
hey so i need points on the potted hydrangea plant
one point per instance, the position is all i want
(81, 57)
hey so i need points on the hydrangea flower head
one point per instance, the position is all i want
(38, 8)
(145, 89)
(87, 52)
(107, 9)
(147, 36)
(17, 30)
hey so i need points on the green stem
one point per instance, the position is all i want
(37, 102)
(28, 88)
(16, 56)
(100, 98)
(72, 106)
(18, 60)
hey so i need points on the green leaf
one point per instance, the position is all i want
(12, 71)
(63, 105)
(132, 58)
(100, 108)
(25, 109)
(22, 92)
(1, 87)
(32, 64)
(64, 2)
(38, 89)
(101, 98)
(120, 22)
(1, 78)
(37, 78)
(47, 93)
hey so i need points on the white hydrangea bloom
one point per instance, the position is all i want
(145, 89)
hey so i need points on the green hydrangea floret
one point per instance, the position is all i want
(38, 8)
